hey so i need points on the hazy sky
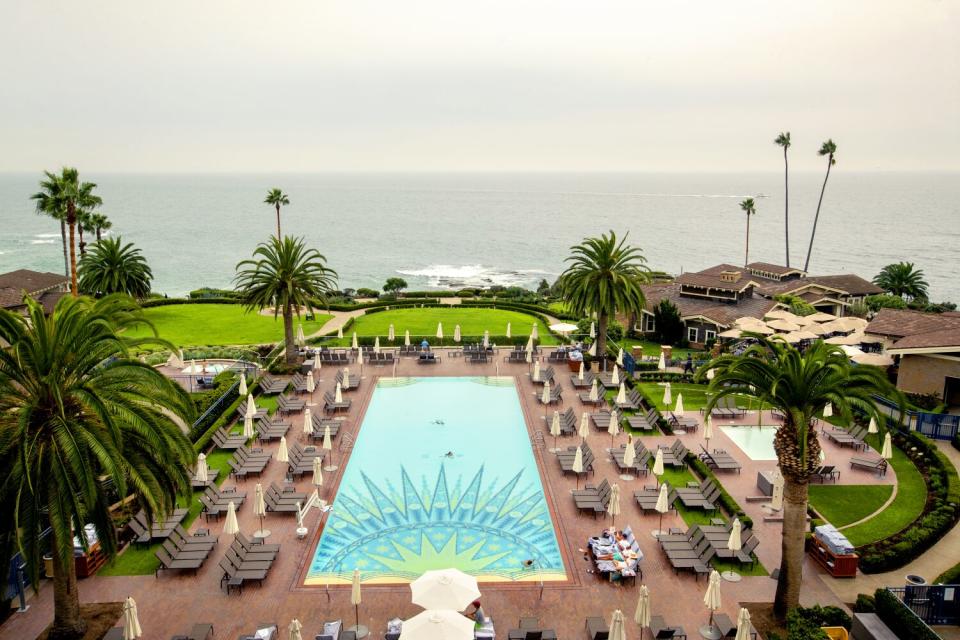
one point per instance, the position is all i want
(312, 85)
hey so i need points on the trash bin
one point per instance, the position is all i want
(48, 565)
(915, 588)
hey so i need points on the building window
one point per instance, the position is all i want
(709, 335)
(692, 334)
(650, 323)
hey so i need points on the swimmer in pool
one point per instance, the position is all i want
(438, 421)
(448, 454)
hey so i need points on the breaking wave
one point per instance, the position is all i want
(473, 275)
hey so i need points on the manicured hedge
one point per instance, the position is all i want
(339, 306)
(225, 418)
(163, 302)
(902, 622)
(203, 400)
(731, 506)
(663, 376)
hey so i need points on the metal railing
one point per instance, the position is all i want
(939, 426)
(932, 604)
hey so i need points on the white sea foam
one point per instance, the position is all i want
(42, 241)
(472, 275)
(46, 235)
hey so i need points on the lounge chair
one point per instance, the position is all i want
(332, 406)
(556, 395)
(681, 422)
(641, 459)
(546, 375)
(226, 440)
(428, 357)
(877, 465)
(242, 412)
(647, 498)
(633, 400)
(824, 473)
(199, 631)
(170, 563)
(597, 628)
(290, 404)
(271, 385)
(586, 383)
(719, 460)
(675, 455)
(347, 383)
(727, 628)
(662, 631)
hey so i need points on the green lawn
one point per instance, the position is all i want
(911, 497)
(653, 349)
(219, 324)
(694, 396)
(473, 322)
(843, 504)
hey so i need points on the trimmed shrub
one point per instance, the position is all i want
(902, 622)
(163, 302)
(203, 400)
(202, 440)
(727, 503)
(865, 604)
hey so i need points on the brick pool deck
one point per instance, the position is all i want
(169, 604)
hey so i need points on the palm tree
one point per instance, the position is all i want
(829, 149)
(114, 267)
(65, 195)
(76, 408)
(799, 385)
(276, 197)
(604, 277)
(84, 223)
(750, 208)
(901, 279)
(289, 277)
(101, 223)
(48, 204)
(783, 140)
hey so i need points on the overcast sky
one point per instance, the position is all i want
(312, 85)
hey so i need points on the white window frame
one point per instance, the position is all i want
(692, 334)
(649, 323)
(709, 334)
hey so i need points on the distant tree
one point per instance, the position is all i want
(543, 288)
(668, 326)
(749, 207)
(289, 277)
(101, 223)
(395, 285)
(885, 301)
(858, 310)
(903, 280)
(365, 292)
(84, 224)
(114, 267)
(829, 149)
(783, 140)
(798, 306)
(604, 277)
(277, 198)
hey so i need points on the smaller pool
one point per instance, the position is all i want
(756, 442)
(211, 367)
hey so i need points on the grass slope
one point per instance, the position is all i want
(219, 324)
(473, 322)
(843, 504)
(694, 396)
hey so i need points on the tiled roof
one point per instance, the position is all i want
(931, 340)
(898, 323)
(711, 281)
(718, 269)
(14, 283)
(777, 269)
(723, 314)
(849, 284)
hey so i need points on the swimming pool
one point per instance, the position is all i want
(442, 475)
(756, 442)
(208, 368)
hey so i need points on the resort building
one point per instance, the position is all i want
(711, 300)
(927, 346)
(47, 288)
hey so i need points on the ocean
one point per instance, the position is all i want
(459, 229)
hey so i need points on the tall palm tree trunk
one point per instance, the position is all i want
(83, 245)
(786, 203)
(98, 234)
(813, 232)
(63, 238)
(789, 582)
(602, 322)
(746, 257)
(278, 221)
(72, 224)
(67, 622)
(291, 345)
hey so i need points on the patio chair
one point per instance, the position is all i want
(597, 628)
(662, 631)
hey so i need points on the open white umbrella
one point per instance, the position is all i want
(620, 357)
(247, 426)
(873, 359)
(535, 332)
(282, 454)
(444, 589)
(202, 471)
(545, 398)
(437, 624)
(872, 427)
(317, 472)
(508, 330)
(294, 630)
(581, 373)
(376, 344)
(711, 599)
(251, 405)
(584, 429)
(662, 363)
(622, 394)
(593, 331)
(439, 331)
(666, 395)
(594, 391)
(301, 339)
(354, 343)
(338, 393)
(577, 466)
(131, 620)
(629, 453)
(456, 333)
(355, 600)
(708, 429)
(744, 626)
(617, 629)
(391, 334)
(662, 506)
(613, 507)
(555, 428)
(780, 314)
(242, 389)
(783, 325)
(679, 407)
(563, 327)
(311, 383)
(592, 351)
(776, 499)
(260, 510)
(340, 331)
(535, 376)
(615, 376)
(230, 526)
(734, 543)
(731, 334)
(406, 338)
(643, 613)
(886, 452)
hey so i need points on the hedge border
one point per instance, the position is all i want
(729, 504)
(901, 621)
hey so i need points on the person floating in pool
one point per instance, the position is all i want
(448, 454)
(438, 421)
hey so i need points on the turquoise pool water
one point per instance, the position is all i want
(756, 442)
(442, 475)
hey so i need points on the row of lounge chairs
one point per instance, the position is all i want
(675, 455)
(270, 384)
(290, 404)
(226, 440)
(647, 498)
(347, 382)
(247, 461)
(330, 404)
(299, 383)
(719, 460)
(586, 383)
(853, 438)
(641, 461)
(593, 498)
(283, 500)
(559, 356)
(147, 532)
(726, 407)
(634, 401)
(428, 357)
(556, 395)
(567, 457)
(681, 422)
(246, 561)
(336, 357)
(271, 429)
(183, 552)
(704, 495)
(546, 375)
(242, 412)
(216, 501)
(384, 358)
(301, 459)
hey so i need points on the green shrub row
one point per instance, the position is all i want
(210, 292)
(203, 400)
(950, 576)
(202, 441)
(163, 302)
(804, 623)
(900, 619)
(940, 513)
(731, 506)
(354, 306)
(524, 307)
(663, 376)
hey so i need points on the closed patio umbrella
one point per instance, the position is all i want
(594, 391)
(707, 430)
(456, 333)
(872, 428)
(437, 624)
(679, 407)
(406, 338)
(592, 351)
(658, 464)
(577, 466)
(581, 373)
(202, 473)
(251, 405)
(828, 410)
(486, 338)
(593, 331)
(439, 331)
(230, 526)
(355, 344)
(545, 398)
(311, 383)
(617, 629)
(260, 510)
(529, 356)
(307, 422)
(711, 599)
(338, 394)
(643, 613)
(508, 330)
(328, 447)
(317, 365)
(444, 589)
(555, 429)
(614, 427)
(584, 429)
(282, 454)
(131, 620)
(744, 625)
(535, 376)
(613, 507)
(886, 452)
(193, 366)
(629, 453)
(317, 472)
(776, 499)
(734, 543)
(376, 344)
(248, 426)
(662, 363)
(615, 376)
(662, 506)
(301, 339)
(622, 394)
(667, 400)
(620, 357)
(391, 335)
(294, 630)
(534, 332)
(242, 389)
(355, 600)
(530, 344)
